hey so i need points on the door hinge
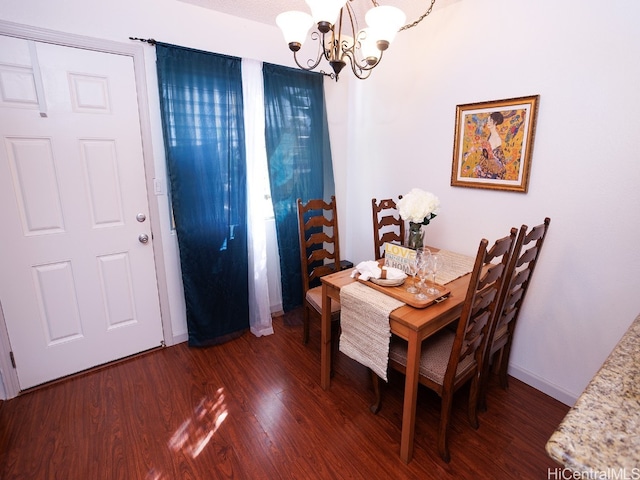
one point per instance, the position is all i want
(13, 359)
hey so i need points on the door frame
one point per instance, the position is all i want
(136, 52)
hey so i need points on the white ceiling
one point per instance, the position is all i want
(265, 11)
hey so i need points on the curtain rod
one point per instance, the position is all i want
(150, 41)
(154, 42)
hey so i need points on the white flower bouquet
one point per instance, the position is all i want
(418, 206)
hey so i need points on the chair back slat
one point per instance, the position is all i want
(494, 272)
(318, 220)
(387, 221)
(320, 271)
(527, 256)
(388, 237)
(318, 238)
(319, 255)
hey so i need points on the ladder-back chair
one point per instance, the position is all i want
(520, 271)
(319, 255)
(451, 359)
(387, 225)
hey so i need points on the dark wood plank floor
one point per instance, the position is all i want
(116, 422)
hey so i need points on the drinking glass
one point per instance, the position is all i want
(413, 270)
(414, 266)
(422, 254)
(433, 263)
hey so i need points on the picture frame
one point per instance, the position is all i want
(493, 143)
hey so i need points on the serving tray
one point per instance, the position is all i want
(400, 293)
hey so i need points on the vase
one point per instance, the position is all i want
(415, 238)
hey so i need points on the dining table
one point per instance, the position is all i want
(407, 322)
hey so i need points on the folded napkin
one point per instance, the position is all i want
(371, 269)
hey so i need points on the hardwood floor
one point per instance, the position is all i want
(117, 422)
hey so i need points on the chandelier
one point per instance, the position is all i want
(339, 36)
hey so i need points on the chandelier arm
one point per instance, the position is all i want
(359, 71)
(310, 65)
(353, 60)
(370, 67)
(420, 18)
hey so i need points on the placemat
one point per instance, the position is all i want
(454, 265)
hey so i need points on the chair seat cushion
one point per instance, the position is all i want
(314, 297)
(434, 355)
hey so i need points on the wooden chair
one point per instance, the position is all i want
(319, 255)
(519, 272)
(387, 225)
(449, 359)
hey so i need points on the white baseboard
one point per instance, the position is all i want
(183, 338)
(544, 386)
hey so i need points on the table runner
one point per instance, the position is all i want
(364, 321)
(454, 265)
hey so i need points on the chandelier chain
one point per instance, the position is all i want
(422, 17)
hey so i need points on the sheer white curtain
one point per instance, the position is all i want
(253, 93)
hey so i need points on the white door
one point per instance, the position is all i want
(77, 284)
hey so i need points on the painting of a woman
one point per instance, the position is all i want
(492, 143)
(492, 163)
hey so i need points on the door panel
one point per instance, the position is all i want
(36, 186)
(77, 287)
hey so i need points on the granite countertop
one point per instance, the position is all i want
(601, 432)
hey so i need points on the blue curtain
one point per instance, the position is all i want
(299, 158)
(202, 119)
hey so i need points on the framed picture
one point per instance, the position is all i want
(493, 143)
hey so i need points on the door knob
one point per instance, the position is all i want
(143, 238)
(141, 217)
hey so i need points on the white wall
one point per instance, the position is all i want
(395, 131)
(583, 59)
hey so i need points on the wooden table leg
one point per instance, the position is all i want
(325, 343)
(410, 397)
